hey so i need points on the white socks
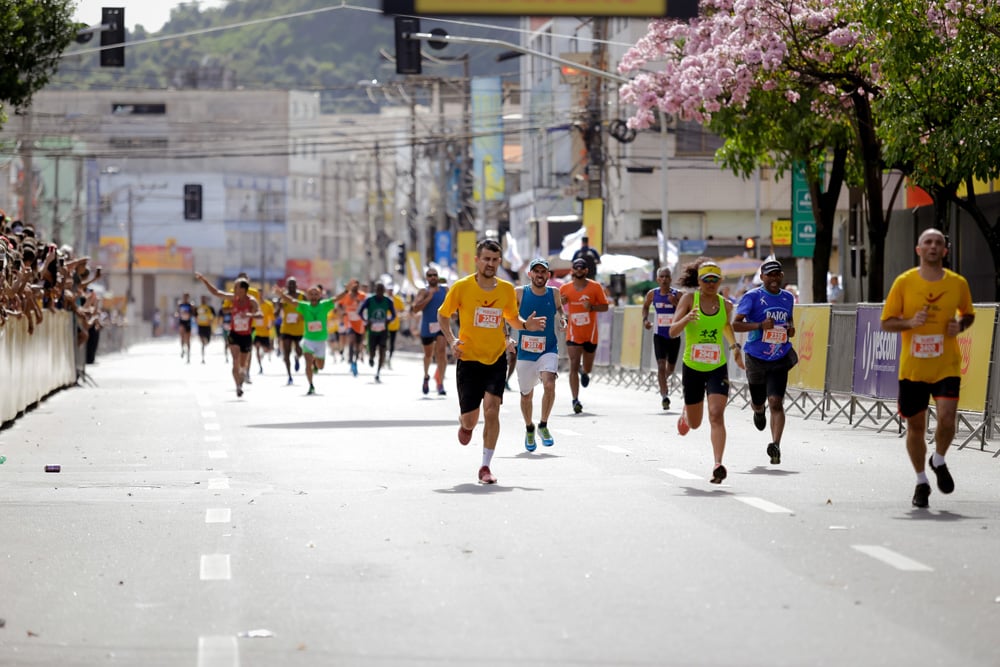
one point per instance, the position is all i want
(487, 456)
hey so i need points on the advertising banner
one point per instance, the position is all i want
(593, 221)
(632, 338)
(811, 342)
(602, 357)
(876, 356)
(976, 344)
(442, 249)
(487, 138)
(466, 253)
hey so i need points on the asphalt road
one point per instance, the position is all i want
(348, 528)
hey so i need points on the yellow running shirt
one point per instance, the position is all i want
(928, 354)
(481, 314)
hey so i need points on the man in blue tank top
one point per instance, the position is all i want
(427, 302)
(766, 313)
(537, 351)
(663, 300)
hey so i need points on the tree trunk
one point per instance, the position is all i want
(990, 232)
(871, 152)
(824, 213)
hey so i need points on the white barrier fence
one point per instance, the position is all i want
(34, 365)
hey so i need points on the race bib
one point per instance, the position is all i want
(488, 318)
(706, 353)
(928, 347)
(185, 316)
(258, 321)
(378, 326)
(315, 326)
(433, 327)
(533, 344)
(775, 336)
(292, 318)
(580, 319)
(353, 316)
(664, 320)
(241, 322)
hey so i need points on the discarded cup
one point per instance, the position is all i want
(53, 468)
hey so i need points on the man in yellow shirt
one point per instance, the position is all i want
(292, 327)
(400, 307)
(929, 305)
(262, 332)
(483, 302)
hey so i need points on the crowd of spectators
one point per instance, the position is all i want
(37, 276)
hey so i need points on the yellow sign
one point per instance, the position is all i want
(811, 342)
(781, 232)
(466, 241)
(593, 220)
(976, 344)
(632, 338)
(639, 8)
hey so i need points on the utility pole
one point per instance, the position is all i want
(379, 217)
(411, 224)
(28, 182)
(131, 252)
(595, 113)
(56, 231)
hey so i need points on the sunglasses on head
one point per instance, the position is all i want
(709, 279)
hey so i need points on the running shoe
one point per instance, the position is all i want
(371, 361)
(239, 392)
(312, 390)
(718, 474)
(584, 378)
(246, 378)
(921, 495)
(296, 364)
(354, 368)
(759, 420)
(774, 451)
(378, 380)
(543, 433)
(427, 386)
(441, 391)
(529, 440)
(464, 435)
(289, 380)
(945, 483)
(665, 402)
(260, 372)
(577, 406)
(485, 476)
(682, 424)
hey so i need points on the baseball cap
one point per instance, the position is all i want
(579, 261)
(709, 269)
(770, 266)
(538, 261)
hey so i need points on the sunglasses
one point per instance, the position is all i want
(432, 275)
(710, 279)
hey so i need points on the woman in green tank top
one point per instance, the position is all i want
(704, 317)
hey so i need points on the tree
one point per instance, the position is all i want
(803, 49)
(941, 101)
(36, 32)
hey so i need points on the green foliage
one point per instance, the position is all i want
(35, 33)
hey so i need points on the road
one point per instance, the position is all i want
(348, 528)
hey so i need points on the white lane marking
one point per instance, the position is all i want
(203, 401)
(218, 454)
(213, 438)
(218, 652)
(218, 483)
(614, 449)
(764, 505)
(564, 431)
(891, 558)
(213, 427)
(208, 414)
(682, 474)
(218, 515)
(215, 567)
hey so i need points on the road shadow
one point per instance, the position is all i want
(943, 516)
(359, 423)
(773, 472)
(484, 489)
(533, 455)
(695, 492)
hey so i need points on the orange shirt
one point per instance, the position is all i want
(582, 322)
(350, 304)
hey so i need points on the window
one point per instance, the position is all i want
(192, 201)
(694, 139)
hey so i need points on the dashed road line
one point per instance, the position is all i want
(218, 515)
(213, 427)
(892, 558)
(764, 505)
(213, 438)
(680, 474)
(217, 454)
(218, 483)
(218, 651)
(208, 414)
(215, 567)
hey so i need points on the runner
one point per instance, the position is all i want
(350, 300)
(427, 301)
(482, 302)
(205, 318)
(664, 300)
(185, 315)
(262, 324)
(378, 312)
(394, 325)
(929, 305)
(244, 308)
(314, 313)
(292, 327)
(703, 316)
(225, 324)
(334, 341)
(581, 298)
(538, 353)
(766, 312)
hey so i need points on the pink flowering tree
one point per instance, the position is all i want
(780, 81)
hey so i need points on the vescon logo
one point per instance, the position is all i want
(878, 348)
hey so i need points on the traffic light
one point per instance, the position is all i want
(750, 243)
(192, 201)
(408, 55)
(114, 19)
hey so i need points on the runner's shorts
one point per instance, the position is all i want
(475, 380)
(528, 370)
(698, 383)
(914, 397)
(317, 348)
(242, 341)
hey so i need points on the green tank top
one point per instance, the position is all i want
(704, 344)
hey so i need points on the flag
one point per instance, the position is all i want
(512, 255)
(572, 242)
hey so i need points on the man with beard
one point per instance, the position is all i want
(583, 298)
(483, 302)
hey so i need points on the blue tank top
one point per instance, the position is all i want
(756, 306)
(430, 313)
(533, 344)
(663, 311)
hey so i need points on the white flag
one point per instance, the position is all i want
(572, 242)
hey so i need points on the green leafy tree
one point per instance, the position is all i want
(35, 34)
